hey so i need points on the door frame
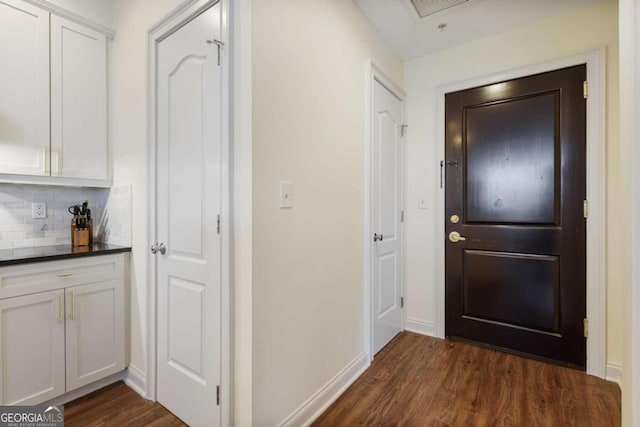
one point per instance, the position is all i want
(373, 74)
(178, 17)
(596, 193)
(629, 139)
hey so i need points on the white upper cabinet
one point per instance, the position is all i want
(78, 101)
(53, 97)
(24, 89)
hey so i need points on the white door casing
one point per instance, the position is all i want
(24, 93)
(596, 192)
(189, 178)
(386, 210)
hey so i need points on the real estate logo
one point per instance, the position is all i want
(32, 416)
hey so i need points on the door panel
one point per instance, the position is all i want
(189, 96)
(511, 160)
(530, 284)
(516, 156)
(386, 192)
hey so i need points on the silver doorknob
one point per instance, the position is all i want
(162, 249)
(455, 237)
(154, 248)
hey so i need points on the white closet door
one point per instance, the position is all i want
(189, 94)
(32, 348)
(78, 101)
(24, 88)
(387, 152)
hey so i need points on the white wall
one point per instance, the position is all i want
(564, 35)
(128, 133)
(308, 128)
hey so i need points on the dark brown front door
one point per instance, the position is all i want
(516, 180)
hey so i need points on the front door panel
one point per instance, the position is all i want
(515, 156)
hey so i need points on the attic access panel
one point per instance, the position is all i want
(426, 8)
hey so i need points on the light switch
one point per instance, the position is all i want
(423, 201)
(286, 195)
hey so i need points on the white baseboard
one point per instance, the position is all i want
(323, 398)
(83, 391)
(420, 327)
(614, 373)
(136, 380)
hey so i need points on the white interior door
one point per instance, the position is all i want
(386, 198)
(189, 95)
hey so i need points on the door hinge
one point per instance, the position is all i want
(586, 328)
(218, 395)
(585, 209)
(218, 224)
(401, 302)
(401, 216)
(585, 89)
(403, 128)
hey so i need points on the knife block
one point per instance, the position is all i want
(81, 236)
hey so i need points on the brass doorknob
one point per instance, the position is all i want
(455, 237)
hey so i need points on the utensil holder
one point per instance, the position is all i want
(81, 236)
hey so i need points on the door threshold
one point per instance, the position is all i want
(517, 353)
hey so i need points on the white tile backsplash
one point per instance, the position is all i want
(115, 224)
(19, 230)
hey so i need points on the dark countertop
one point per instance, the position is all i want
(57, 252)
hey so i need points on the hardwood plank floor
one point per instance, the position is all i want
(418, 381)
(117, 405)
(423, 381)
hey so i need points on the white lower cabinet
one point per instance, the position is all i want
(59, 340)
(95, 332)
(32, 348)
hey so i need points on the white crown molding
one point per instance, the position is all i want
(60, 11)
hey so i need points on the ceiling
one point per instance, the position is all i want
(412, 37)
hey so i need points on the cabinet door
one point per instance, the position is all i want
(78, 101)
(32, 348)
(95, 332)
(24, 88)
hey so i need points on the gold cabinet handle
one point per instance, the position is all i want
(72, 309)
(65, 274)
(60, 317)
(455, 237)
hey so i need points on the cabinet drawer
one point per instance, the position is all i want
(39, 277)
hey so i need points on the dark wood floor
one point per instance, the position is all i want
(422, 381)
(117, 405)
(418, 381)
